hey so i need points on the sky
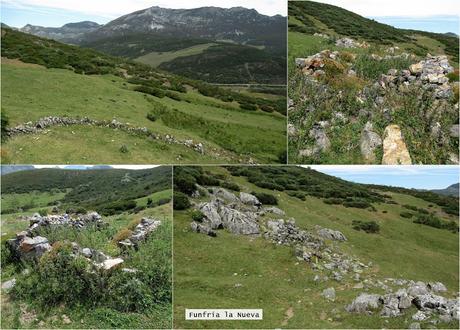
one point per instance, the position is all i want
(55, 13)
(413, 176)
(428, 15)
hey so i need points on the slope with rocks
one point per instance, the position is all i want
(72, 33)
(365, 92)
(125, 112)
(307, 252)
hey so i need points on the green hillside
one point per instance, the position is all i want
(249, 271)
(62, 290)
(45, 78)
(367, 81)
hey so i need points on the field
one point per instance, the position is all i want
(47, 296)
(234, 271)
(229, 127)
(156, 58)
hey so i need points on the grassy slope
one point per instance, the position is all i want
(156, 58)
(26, 96)
(204, 267)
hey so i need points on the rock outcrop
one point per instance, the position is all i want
(394, 148)
(140, 233)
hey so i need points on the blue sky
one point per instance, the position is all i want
(414, 176)
(439, 24)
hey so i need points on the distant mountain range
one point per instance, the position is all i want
(6, 169)
(452, 190)
(218, 45)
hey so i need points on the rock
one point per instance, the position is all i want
(110, 264)
(430, 301)
(394, 148)
(329, 294)
(414, 325)
(346, 43)
(292, 131)
(437, 287)
(66, 319)
(322, 142)
(249, 199)
(201, 228)
(358, 286)
(369, 142)
(416, 68)
(211, 212)
(8, 285)
(417, 289)
(86, 252)
(454, 131)
(419, 316)
(274, 210)
(330, 234)
(364, 303)
(224, 194)
(390, 306)
(238, 222)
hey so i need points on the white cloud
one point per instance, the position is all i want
(116, 8)
(412, 8)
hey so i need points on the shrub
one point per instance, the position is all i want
(150, 90)
(266, 199)
(122, 235)
(197, 215)
(4, 124)
(429, 220)
(406, 215)
(300, 195)
(230, 185)
(357, 204)
(248, 106)
(333, 201)
(149, 201)
(151, 116)
(410, 207)
(124, 149)
(185, 183)
(117, 207)
(180, 201)
(43, 212)
(367, 226)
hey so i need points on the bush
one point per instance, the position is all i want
(184, 183)
(197, 215)
(122, 235)
(357, 204)
(43, 212)
(150, 90)
(334, 201)
(124, 149)
(230, 185)
(300, 195)
(117, 207)
(4, 124)
(266, 199)
(149, 201)
(410, 207)
(180, 201)
(406, 215)
(248, 106)
(370, 227)
(151, 116)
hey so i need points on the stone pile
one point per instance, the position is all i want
(313, 65)
(78, 221)
(350, 43)
(46, 122)
(419, 294)
(140, 233)
(429, 73)
(285, 232)
(25, 247)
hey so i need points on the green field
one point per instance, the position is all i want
(156, 58)
(231, 271)
(26, 97)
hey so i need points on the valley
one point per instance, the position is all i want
(143, 115)
(361, 92)
(303, 246)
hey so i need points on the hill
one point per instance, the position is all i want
(105, 109)
(75, 272)
(353, 84)
(159, 35)
(71, 33)
(336, 240)
(5, 169)
(452, 190)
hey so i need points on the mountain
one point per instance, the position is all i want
(238, 25)
(72, 33)
(452, 190)
(6, 169)
(312, 242)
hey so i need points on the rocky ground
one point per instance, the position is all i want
(373, 105)
(322, 249)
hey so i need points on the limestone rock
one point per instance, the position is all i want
(8, 285)
(369, 142)
(249, 199)
(111, 263)
(329, 294)
(330, 234)
(394, 148)
(201, 228)
(363, 303)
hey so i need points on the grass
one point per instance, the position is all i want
(156, 58)
(36, 199)
(272, 279)
(26, 97)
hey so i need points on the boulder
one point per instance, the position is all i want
(429, 302)
(327, 233)
(369, 142)
(86, 252)
(249, 199)
(329, 294)
(394, 148)
(274, 210)
(419, 316)
(224, 194)
(111, 263)
(437, 287)
(211, 212)
(417, 289)
(364, 303)
(8, 285)
(416, 68)
(414, 325)
(454, 131)
(202, 228)
(238, 222)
